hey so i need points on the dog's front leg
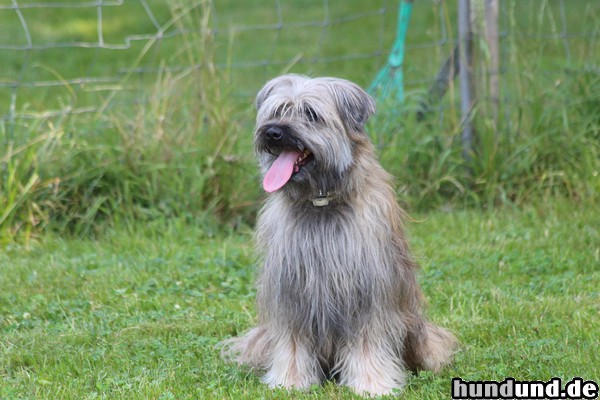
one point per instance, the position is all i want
(294, 365)
(370, 365)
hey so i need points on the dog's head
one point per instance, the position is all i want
(306, 129)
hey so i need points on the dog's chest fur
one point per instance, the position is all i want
(318, 265)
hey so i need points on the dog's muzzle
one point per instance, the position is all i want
(273, 133)
(291, 154)
(274, 137)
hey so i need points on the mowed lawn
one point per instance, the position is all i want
(137, 313)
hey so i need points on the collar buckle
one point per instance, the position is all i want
(322, 199)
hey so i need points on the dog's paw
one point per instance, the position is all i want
(374, 389)
(274, 379)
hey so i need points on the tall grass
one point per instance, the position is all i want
(543, 141)
(547, 144)
(175, 152)
(182, 148)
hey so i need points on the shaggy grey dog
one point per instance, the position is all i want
(337, 294)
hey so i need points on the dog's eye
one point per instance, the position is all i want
(281, 110)
(311, 114)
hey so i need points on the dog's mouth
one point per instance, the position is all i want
(288, 163)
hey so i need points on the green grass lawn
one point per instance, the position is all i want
(171, 136)
(137, 313)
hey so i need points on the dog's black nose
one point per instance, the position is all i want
(274, 133)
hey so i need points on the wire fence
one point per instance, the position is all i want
(66, 57)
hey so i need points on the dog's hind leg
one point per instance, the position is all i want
(428, 347)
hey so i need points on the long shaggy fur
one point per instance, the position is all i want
(337, 294)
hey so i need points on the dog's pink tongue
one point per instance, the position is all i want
(281, 171)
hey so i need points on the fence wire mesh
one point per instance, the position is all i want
(68, 57)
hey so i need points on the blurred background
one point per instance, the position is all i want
(118, 110)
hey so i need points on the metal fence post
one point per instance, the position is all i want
(466, 77)
(491, 37)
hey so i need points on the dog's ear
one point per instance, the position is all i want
(354, 104)
(264, 93)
